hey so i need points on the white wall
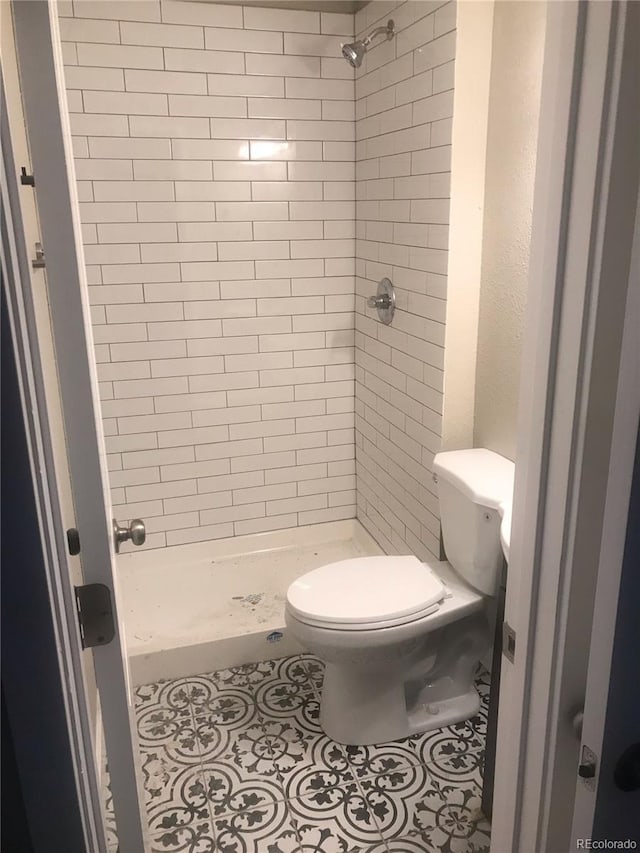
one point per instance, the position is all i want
(518, 43)
(215, 163)
(472, 84)
(404, 105)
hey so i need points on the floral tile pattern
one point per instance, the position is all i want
(235, 761)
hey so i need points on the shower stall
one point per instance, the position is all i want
(243, 190)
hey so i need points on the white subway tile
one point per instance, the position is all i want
(324, 210)
(166, 82)
(98, 125)
(258, 526)
(108, 212)
(120, 56)
(129, 148)
(227, 84)
(124, 103)
(133, 190)
(89, 30)
(217, 62)
(210, 149)
(285, 150)
(433, 108)
(179, 211)
(335, 68)
(230, 128)
(133, 273)
(272, 65)
(277, 343)
(337, 23)
(115, 295)
(168, 252)
(256, 326)
(233, 513)
(321, 130)
(258, 249)
(244, 211)
(445, 19)
(163, 35)
(181, 291)
(284, 108)
(415, 36)
(207, 105)
(286, 190)
(184, 329)
(81, 77)
(289, 20)
(201, 232)
(174, 12)
(301, 87)
(114, 10)
(436, 52)
(172, 126)
(187, 470)
(287, 230)
(245, 40)
(69, 53)
(212, 191)
(213, 270)
(220, 308)
(191, 402)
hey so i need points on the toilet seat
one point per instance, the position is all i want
(366, 593)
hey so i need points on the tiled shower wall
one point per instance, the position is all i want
(215, 161)
(404, 106)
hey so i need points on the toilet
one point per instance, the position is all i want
(401, 639)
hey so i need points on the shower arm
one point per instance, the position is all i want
(388, 30)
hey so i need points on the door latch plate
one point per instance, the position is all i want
(95, 614)
(588, 767)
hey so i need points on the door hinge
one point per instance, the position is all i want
(508, 642)
(588, 767)
(25, 179)
(95, 614)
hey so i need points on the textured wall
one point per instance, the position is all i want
(514, 107)
(404, 105)
(215, 163)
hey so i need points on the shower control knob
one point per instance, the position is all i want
(136, 532)
(384, 301)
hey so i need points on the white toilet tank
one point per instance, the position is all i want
(472, 485)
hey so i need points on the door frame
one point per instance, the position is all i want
(553, 415)
(580, 279)
(25, 344)
(38, 52)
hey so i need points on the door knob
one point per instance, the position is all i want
(135, 532)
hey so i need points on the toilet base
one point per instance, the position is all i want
(363, 705)
(446, 712)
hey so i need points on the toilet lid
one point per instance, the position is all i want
(365, 589)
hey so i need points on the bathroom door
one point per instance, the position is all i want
(39, 65)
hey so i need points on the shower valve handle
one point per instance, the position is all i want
(383, 301)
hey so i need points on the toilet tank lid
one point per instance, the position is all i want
(483, 476)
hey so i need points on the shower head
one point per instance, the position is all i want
(354, 52)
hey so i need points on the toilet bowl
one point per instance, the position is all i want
(401, 638)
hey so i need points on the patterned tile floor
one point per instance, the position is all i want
(236, 762)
